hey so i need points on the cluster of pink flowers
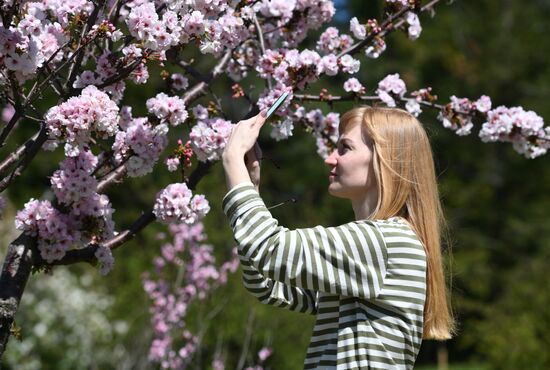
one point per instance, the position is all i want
(173, 344)
(324, 127)
(288, 22)
(331, 42)
(524, 129)
(209, 136)
(176, 203)
(76, 119)
(140, 144)
(457, 115)
(74, 187)
(146, 26)
(24, 47)
(73, 182)
(391, 87)
(167, 108)
(377, 45)
(56, 231)
(64, 9)
(295, 68)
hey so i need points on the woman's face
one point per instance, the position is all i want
(351, 165)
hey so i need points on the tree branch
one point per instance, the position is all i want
(262, 46)
(31, 149)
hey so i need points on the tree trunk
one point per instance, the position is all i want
(15, 273)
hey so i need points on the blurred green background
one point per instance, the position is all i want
(496, 203)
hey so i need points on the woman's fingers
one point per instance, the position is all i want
(244, 135)
(257, 151)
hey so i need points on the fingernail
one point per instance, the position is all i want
(263, 113)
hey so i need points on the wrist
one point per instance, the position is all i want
(231, 157)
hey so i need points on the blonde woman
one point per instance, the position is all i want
(376, 284)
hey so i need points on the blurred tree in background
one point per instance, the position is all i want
(496, 204)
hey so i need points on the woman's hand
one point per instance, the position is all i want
(241, 141)
(243, 136)
(252, 160)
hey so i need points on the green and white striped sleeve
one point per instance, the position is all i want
(276, 293)
(348, 260)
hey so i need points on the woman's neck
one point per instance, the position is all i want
(365, 205)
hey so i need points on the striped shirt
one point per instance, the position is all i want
(365, 281)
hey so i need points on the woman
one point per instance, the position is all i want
(376, 284)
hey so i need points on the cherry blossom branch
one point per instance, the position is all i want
(11, 124)
(262, 45)
(200, 88)
(31, 149)
(37, 90)
(113, 177)
(19, 111)
(387, 26)
(16, 155)
(352, 97)
(75, 67)
(125, 72)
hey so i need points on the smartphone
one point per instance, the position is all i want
(277, 103)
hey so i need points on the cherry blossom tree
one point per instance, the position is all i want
(85, 53)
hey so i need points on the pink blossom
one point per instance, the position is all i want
(282, 130)
(264, 353)
(328, 65)
(172, 163)
(483, 104)
(349, 65)
(359, 31)
(278, 8)
(353, 85)
(413, 107)
(179, 82)
(194, 23)
(377, 47)
(415, 28)
(329, 41)
(7, 113)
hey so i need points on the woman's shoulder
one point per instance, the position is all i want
(394, 221)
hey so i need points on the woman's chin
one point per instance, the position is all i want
(335, 190)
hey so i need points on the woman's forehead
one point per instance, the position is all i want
(355, 133)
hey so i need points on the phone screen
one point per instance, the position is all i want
(277, 103)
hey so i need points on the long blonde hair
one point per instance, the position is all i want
(407, 187)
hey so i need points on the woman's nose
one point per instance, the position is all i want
(331, 159)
